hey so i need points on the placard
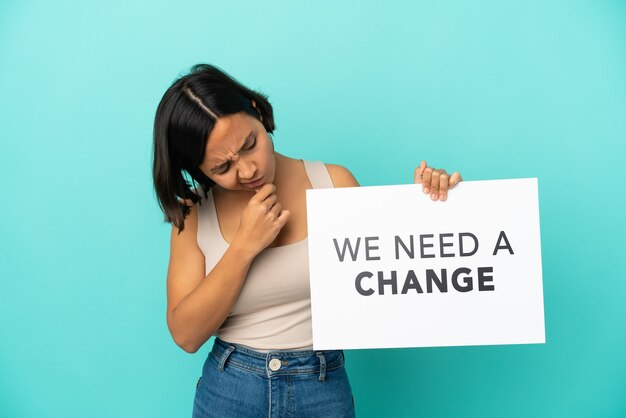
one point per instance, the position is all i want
(389, 267)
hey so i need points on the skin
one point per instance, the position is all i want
(252, 217)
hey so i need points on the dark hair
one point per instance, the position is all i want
(184, 119)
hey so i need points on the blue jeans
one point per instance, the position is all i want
(239, 382)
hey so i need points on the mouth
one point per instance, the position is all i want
(253, 184)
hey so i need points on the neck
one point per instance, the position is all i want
(281, 171)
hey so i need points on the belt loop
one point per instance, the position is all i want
(322, 365)
(224, 357)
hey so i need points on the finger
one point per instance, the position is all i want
(270, 201)
(455, 179)
(443, 186)
(428, 172)
(275, 210)
(263, 192)
(434, 185)
(419, 172)
(283, 217)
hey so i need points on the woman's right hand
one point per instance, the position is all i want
(261, 220)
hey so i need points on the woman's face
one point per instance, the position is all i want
(239, 154)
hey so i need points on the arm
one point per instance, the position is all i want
(198, 305)
(435, 181)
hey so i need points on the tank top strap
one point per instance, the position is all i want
(318, 174)
(210, 237)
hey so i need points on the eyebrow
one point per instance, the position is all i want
(245, 141)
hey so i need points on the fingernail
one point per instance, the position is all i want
(433, 196)
(425, 189)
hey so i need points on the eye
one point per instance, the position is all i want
(252, 144)
(223, 168)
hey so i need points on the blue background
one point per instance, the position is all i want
(489, 88)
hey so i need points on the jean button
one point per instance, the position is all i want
(274, 364)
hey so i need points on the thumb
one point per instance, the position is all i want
(417, 177)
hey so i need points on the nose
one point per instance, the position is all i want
(245, 168)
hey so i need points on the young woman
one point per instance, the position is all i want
(238, 265)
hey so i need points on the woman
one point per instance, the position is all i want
(238, 265)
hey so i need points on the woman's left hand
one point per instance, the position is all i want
(436, 181)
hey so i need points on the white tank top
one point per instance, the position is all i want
(273, 310)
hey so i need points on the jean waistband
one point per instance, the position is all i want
(277, 362)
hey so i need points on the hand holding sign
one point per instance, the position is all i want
(436, 181)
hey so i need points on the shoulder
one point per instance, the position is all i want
(190, 202)
(191, 219)
(341, 176)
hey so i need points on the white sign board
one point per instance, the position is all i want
(391, 268)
